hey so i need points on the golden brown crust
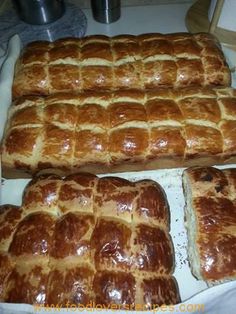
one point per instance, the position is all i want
(125, 61)
(212, 201)
(70, 283)
(27, 282)
(102, 132)
(88, 239)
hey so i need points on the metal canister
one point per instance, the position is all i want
(39, 12)
(106, 11)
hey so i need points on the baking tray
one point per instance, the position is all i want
(193, 292)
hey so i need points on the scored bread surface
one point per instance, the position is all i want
(120, 131)
(211, 222)
(121, 62)
(87, 240)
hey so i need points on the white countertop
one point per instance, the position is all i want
(142, 19)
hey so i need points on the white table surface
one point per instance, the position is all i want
(142, 19)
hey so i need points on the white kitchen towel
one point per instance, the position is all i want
(7, 63)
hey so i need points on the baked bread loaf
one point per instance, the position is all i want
(211, 222)
(120, 131)
(88, 241)
(121, 62)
